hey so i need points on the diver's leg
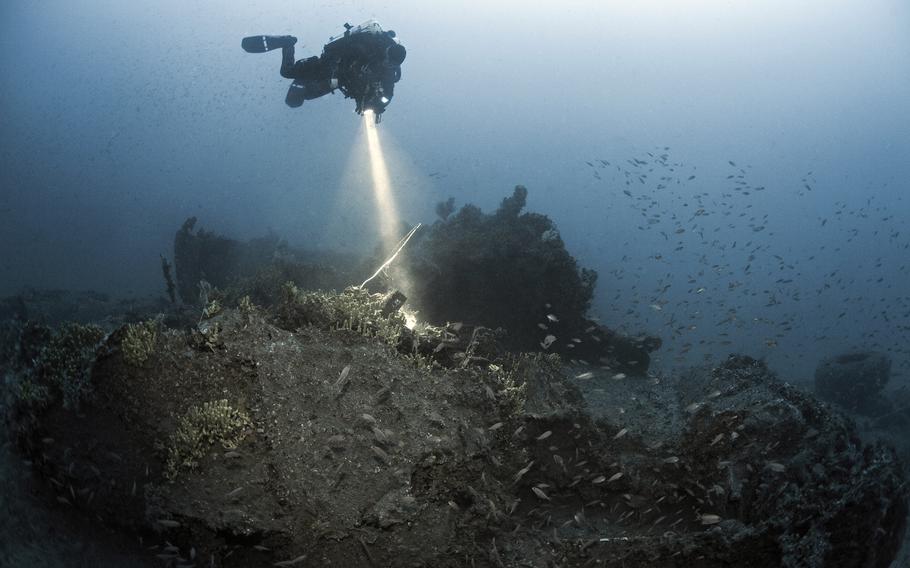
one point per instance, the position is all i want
(307, 89)
(308, 69)
(311, 80)
(296, 94)
(287, 62)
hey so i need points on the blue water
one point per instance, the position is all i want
(119, 120)
(736, 172)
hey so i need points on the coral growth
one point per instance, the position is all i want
(63, 365)
(246, 305)
(354, 309)
(139, 342)
(212, 423)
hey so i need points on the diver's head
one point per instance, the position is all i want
(395, 54)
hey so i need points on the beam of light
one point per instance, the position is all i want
(382, 187)
(389, 223)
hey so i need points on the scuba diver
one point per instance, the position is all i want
(364, 63)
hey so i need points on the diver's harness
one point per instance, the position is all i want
(370, 90)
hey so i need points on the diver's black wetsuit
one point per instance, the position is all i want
(364, 66)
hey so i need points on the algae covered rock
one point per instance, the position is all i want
(746, 471)
(59, 370)
(308, 437)
(498, 270)
(510, 270)
(294, 443)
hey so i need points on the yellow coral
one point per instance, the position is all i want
(211, 309)
(246, 305)
(200, 428)
(139, 342)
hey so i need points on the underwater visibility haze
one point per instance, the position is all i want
(616, 282)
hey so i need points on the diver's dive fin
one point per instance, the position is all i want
(307, 89)
(263, 43)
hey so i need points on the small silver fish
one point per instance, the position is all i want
(559, 461)
(380, 435)
(297, 560)
(539, 492)
(709, 519)
(380, 453)
(342, 377)
(778, 467)
(523, 471)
